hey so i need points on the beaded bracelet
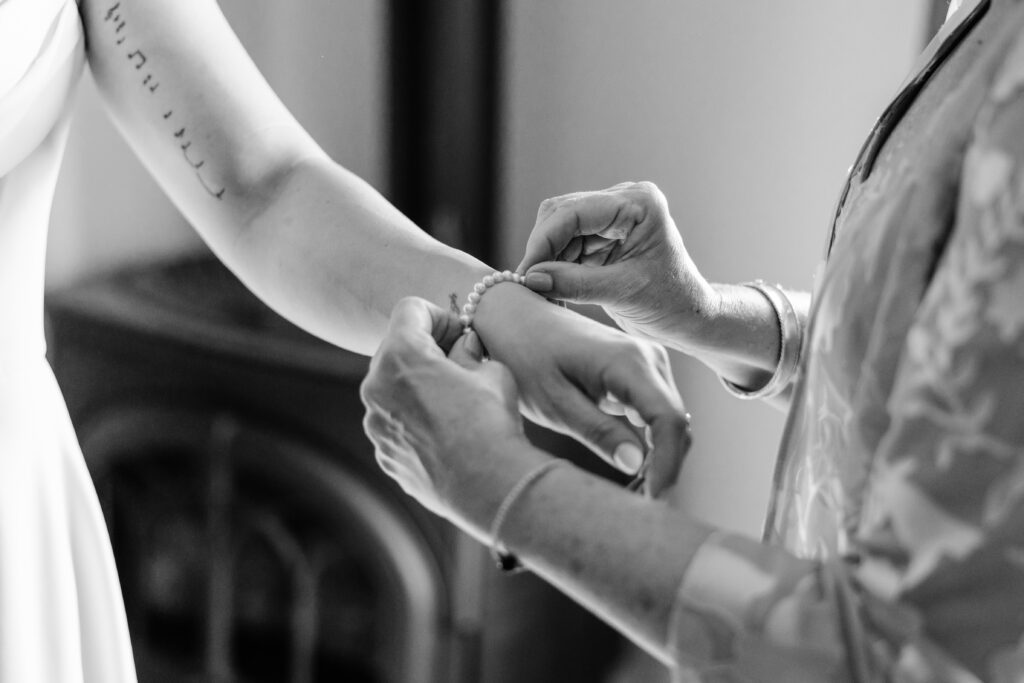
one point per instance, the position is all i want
(505, 560)
(469, 309)
(790, 345)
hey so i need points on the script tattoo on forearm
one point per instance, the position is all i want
(180, 133)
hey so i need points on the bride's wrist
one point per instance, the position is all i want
(501, 305)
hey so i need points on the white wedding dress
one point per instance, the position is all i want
(61, 613)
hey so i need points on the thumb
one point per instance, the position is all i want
(467, 351)
(574, 282)
(500, 377)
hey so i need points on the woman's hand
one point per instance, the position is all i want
(447, 429)
(620, 248)
(574, 374)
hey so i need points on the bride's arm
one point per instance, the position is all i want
(259, 190)
(319, 244)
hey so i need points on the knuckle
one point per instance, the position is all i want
(650, 353)
(632, 353)
(405, 306)
(658, 355)
(368, 428)
(650, 197)
(384, 462)
(648, 189)
(367, 391)
(408, 302)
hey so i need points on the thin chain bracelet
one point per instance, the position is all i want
(505, 560)
(469, 309)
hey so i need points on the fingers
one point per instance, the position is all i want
(420, 322)
(605, 434)
(418, 332)
(608, 213)
(649, 390)
(467, 351)
(613, 406)
(577, 283)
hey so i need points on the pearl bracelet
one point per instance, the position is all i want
(505, 560)
(469, 310)
(790, 345)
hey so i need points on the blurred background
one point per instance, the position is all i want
(467, 114)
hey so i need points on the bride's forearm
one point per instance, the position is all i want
(331, 254)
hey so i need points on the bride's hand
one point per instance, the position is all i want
(619, 248)
(569, 367)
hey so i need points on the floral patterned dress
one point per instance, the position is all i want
(895, 542)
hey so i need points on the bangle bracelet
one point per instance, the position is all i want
(790, 345)
(506, 561)
(479, 289)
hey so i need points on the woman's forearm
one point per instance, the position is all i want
(618, 554)
(739, 337)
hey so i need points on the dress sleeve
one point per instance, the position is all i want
(936, 592)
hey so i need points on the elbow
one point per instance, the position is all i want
(265, 186)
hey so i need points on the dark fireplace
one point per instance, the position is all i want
(256, 540)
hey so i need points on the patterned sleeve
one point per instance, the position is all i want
(938, 593)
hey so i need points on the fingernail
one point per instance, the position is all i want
(539, 282)
(473, 345)
(628, 456)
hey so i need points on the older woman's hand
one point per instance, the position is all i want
(619, 248)
(446, 428)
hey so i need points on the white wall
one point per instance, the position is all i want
(325, 59)
(747, 114)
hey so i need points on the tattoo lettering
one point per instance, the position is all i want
(138, 59)
(194, 164)
(137, 55)
(214, 193)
